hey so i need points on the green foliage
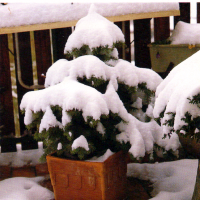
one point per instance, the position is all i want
(161, 115)
(57, 111)
(195, 100)
(98, 83)
(84, 50)
(82, 153)
(170, 122)
(167, 155)
(166, 41)
(148, 93)
(125, 93)
(77, 127)
(104, 53)
(36, 120)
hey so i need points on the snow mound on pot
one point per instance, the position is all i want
(185, 33)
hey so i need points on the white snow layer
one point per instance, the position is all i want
(87, 30)
(89, 65)
(102, 158)
(18, 14)
(69, 95)
(22, 158)
(185, 33)
(143, 136)
(184, 77)
(21, 188)
(80, 142)
(171, 180)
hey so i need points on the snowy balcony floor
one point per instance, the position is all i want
(136, 189)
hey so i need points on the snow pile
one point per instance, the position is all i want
(185, 33)
(87, 30)
(173, 93)
(21, 158)
(18, 14)
(171, 180)
(21, 188)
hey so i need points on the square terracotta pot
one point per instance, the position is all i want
(82, 180)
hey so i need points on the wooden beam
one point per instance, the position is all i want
(55, 25)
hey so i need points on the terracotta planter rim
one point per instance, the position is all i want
(79, 161)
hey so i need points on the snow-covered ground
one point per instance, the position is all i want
(21, 158)
(173, 180)
(21, 188)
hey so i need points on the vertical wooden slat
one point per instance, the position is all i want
(126, 52)
(6, 116)
(13, 81)
(26, 70)
(142, 37)
(198, 12)
(161, 28)
(43, 53)
(120, 51)
(184, 13)
(59, 39)
(127, 41)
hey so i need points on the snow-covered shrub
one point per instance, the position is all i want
(177, 105)
(89, 102)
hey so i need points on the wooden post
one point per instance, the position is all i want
(26, 70)
(120, 50)
(161, 28)
(128, 42)
(184, 13)
(59, 39)
(43, 53)
(142, 37)
(6, 102)
(125, 53)
(198, 12)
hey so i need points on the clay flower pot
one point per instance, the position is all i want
(79, 180)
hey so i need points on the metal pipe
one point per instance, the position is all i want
(19, 68)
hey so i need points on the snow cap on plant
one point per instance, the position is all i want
(178, 99)
(94, 35)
